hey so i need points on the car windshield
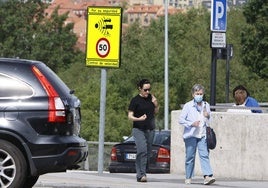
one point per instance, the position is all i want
(161, 138)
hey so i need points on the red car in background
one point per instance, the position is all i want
(123, 155)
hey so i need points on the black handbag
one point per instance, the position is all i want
(211, 138)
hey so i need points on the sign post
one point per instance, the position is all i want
(103, 50)
(218, 40)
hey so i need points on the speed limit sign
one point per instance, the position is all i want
(103, 47)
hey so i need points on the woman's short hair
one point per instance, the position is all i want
(198, 87)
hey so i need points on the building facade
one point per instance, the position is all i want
(143, 11)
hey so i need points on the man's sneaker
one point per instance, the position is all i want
(142, 179)
(188, 181)
(209, 180)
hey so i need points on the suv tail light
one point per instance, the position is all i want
(163, 155)
(113, 154)
(56, 108)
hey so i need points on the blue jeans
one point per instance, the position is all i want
(143, 141)
(191, 144)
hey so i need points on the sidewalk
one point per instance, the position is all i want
(92, 179)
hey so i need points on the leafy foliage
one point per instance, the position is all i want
(255, 37)
(143, 57)
(26, 32)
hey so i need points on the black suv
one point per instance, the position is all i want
(39, 124)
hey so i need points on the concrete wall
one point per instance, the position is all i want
(242, 146)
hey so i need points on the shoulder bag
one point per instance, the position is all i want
(211, 138)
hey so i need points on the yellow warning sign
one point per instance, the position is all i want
(103, 45)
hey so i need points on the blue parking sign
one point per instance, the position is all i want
(218, 15)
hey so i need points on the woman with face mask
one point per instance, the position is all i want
(194, 117)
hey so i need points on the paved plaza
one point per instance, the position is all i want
(93, 179)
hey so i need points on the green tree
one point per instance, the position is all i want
(255, 37)
(142, 56)
(26, 32)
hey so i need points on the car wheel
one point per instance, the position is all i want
(13, 166)
(30, 181)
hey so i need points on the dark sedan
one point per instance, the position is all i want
(123, 155)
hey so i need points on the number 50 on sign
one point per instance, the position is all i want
(103, 47)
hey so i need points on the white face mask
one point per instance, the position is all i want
(198, 98)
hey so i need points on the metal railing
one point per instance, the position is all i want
(227, 106)
(222, 107)
(91, 164)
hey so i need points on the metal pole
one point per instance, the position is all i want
(102, 120)
(213, 77)
(227, 74)
(166, 66)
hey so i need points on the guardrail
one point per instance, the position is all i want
(91, 163)
(221, 107)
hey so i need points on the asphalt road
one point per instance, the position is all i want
(92, 179)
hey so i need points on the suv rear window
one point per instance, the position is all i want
(14, 88)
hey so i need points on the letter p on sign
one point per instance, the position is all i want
(218, 15)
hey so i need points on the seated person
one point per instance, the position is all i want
(243, 99)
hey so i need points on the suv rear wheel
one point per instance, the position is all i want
(13, 166)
